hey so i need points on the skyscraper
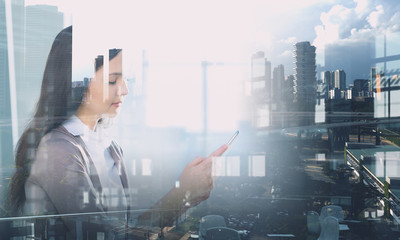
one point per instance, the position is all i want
(261, 90)
(305, 82)
(11, 49)
(353, 58)
(23, 31)
(288, 90)
(43, 22)
(362, 88)
(287, 101)
(278, 78)
(261, 74)
(329, 79)
(340, 79)
(277, 109)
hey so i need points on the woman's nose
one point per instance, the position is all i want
(123, 88)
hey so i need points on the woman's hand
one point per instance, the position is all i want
(195, 185)
(196, 182)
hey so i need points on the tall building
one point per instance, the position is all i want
(288, 89)
(373, 76)
(23, 33)
(287, 101)
(353, 58)
(11, 48)
(362, 88)
(261, 90)
(42, 24)
(340, 79)
(305, 82)
(268, 80)
(5, 113)
(278, 78)
(329, 79)
(261, 74)
(277, 108)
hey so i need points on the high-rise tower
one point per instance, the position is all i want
(340, 79)
(43, 22)
(277, 82)
(329, 79)
(11, 56)
(261, 90)
(305, 82)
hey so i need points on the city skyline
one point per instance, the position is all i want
(304, 82)
(158, 71)
(321, 27)
(244, 29)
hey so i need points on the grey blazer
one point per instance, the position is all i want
(64, 180)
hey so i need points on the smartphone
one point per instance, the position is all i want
(233, 138)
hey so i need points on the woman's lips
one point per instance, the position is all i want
(117, 104)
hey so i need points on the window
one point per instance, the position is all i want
(112, 115)
(257, 166)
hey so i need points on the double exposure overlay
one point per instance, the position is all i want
(200, 120)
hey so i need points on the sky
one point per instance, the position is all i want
(177, 35)
(227, 30)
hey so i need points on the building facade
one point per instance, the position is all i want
(304, 82)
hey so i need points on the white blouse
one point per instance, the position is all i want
(98, 145)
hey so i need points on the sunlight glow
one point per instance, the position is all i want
(177, 35)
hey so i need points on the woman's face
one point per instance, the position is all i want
(105, 94)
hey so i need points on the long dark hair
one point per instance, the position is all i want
(57, 103)
(54, 106)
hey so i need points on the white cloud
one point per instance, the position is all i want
(376, 17)
(342, 25)
(289, 40)
(395, 22)
(286, 53)
(363, 7)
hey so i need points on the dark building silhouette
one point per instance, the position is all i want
(304, 82)
(338, 112)
(329, 79)
(278, 81)
(362, 88)
(357, 106)
(278, 78)
(287, 101)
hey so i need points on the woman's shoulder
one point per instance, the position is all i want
(59, 147)
(59, 134)
(59, 141)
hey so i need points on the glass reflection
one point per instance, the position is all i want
(316, 102)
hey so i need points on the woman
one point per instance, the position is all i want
(63, 164)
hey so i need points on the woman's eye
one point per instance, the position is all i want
(112, 80)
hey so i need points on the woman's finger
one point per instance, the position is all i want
(219, 151)
(196, 161)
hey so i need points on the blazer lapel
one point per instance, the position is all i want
(94, 177)
(117, 156)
